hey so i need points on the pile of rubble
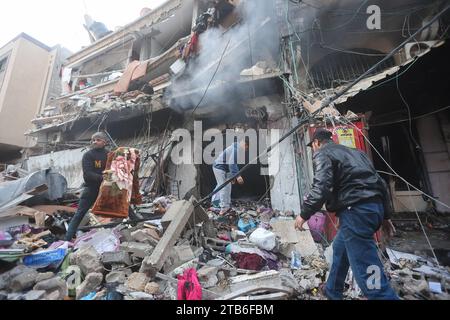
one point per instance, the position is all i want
(247, 253)
(252, 252)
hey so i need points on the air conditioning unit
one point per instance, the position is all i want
(413, 49)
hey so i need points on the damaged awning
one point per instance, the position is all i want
(383, 77)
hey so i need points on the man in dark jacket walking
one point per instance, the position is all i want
(93, 163)
(347, 182)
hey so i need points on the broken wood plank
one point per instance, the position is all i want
(38, 216)
(152, 264)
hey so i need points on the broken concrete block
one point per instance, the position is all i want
(153, 233)
(270, 278)
(118, 276)
(24, 280)
(90, 283)
(184, 253)
(52, 285)
(44, 276)
(6, 278)
(176, 209)
(216, 244)
(88, 260)
(125, 235)
(292, 239)
(137, 249)
(3, 295)
(137, 281)
(145, 236)
(116, 257)
(180, 212)
(207, 272)
(152, 288)
(207, 275)
(187, 265)
(35, 295)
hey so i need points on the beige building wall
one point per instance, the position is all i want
(22, 90)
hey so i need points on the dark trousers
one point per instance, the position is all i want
(87, 200)
(355, 247)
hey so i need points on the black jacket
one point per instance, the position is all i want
(343, 177)
(94, 163)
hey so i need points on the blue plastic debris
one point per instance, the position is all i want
(246, 224)
(45, 258)
(90, 296)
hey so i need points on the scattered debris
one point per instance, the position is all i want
(252, 253)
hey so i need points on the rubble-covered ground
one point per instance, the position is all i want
(253, 252)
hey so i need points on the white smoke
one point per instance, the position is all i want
(255, 38)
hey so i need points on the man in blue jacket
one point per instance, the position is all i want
(224, 167)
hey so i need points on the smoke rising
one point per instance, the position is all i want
(255, 38)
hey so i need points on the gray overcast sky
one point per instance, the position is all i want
(61, 21)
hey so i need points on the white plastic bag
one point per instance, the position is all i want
(263, 238)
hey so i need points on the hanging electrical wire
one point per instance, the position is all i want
(327, 102)
(408, 119)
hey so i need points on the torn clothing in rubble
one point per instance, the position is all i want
(344, 177)
(189, 287)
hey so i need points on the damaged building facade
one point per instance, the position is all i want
(240, 66)
(190, 71)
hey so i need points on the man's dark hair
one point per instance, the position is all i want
(322, 135)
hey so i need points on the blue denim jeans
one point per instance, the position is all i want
(355, 246)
